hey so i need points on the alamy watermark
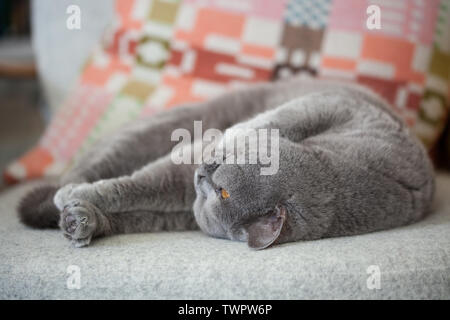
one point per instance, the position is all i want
(235, 146)
(374, 19)
(374, 280)
(74, 278)
(73, 21)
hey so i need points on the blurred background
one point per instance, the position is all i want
(21, 120)
(33, 38)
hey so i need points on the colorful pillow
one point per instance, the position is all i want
(166, 52)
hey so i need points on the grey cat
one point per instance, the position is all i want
(347, 165)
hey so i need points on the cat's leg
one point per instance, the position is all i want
(132, 148)
(157, 197)
(81, 222)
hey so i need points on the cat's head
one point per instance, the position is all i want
(237, 202)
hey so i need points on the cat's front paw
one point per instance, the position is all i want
(71, 191)
(79, 222)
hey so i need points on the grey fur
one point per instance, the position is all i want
(348, 165)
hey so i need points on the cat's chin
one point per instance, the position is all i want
(197, 208)
(206, 225)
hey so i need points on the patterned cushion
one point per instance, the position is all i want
(162, 53)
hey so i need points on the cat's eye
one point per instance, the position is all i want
(223, 193)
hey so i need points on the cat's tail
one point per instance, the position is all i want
(37, 210)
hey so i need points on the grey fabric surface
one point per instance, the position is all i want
(414, 262)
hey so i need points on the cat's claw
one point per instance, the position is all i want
(79, 221)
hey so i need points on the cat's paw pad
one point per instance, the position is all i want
(79, 221)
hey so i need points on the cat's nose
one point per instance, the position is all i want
(204, 173)
(200, 184)
(210, 168)
(200, 175)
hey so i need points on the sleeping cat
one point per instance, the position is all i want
(347, 165)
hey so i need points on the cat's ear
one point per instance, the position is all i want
(265, 230)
